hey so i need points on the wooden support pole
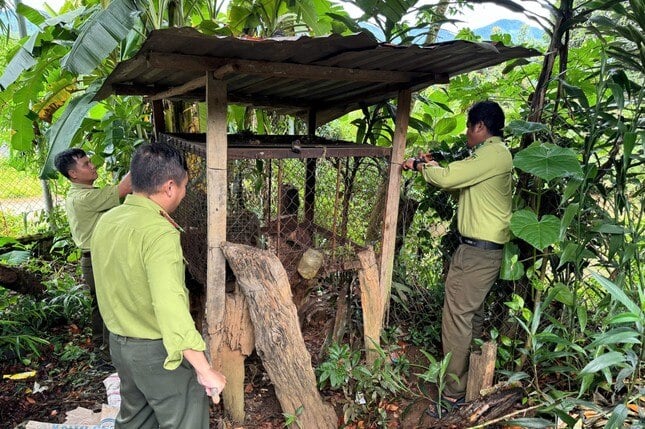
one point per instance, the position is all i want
(372, 296)
(390, 215)
(481, 370)
(158, 120)
(310, 178)
(216, 148)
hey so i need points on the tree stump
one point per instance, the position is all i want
(21, 280)
(278, 340)
(481, 370)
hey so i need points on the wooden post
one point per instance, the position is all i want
(216, 182)
(158, 120)
(481, 370)
(372, 302)
(310, 178)
(393, 193)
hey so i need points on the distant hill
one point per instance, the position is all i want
(513, 27)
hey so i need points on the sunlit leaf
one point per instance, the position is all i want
(548, 161)
(519, 128)
(603, 361)
(511, 268)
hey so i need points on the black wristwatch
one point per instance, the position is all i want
(416, 163)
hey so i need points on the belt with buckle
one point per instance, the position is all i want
(86, 253)
(481, 244)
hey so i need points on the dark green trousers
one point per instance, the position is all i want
(154, 397)
(472, 273)
(100, 334)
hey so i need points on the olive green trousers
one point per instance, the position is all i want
(100, 334)
(472, 273)
(154, 397)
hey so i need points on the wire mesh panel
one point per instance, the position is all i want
(318, 211)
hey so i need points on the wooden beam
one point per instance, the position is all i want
(200, 82)
(274, 69)
(390, 215)
(216, 142)
(158, 120)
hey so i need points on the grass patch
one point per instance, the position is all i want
(17, 184)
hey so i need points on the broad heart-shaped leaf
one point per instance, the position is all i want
(548, 161)
(62, 132)
(519, 128)
(539, 234)
(100, 35)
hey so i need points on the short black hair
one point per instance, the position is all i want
(490, 113)
(154, 164)
(66, 160)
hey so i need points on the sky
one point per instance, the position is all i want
(480, 16)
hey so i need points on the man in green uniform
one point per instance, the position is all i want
(84, 205)
(485, 190)
(139, 266)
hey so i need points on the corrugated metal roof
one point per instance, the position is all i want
(332, 75)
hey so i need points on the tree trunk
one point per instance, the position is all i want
(278, 340)
(21, 281)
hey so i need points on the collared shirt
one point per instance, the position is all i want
(485, 190)
(139, 271)
(84, 205)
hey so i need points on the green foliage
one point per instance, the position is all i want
(436, 372)
(365, 387)
(25, 320)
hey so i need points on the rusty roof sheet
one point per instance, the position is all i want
(174, 57)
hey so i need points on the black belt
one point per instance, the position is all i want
(86, 253)
(482, 244)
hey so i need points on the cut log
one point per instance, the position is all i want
(481, 370)
(278, 340)
(236, 344)
(20, 280)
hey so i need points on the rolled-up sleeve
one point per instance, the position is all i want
(165, 272)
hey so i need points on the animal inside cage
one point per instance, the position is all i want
(311, 201)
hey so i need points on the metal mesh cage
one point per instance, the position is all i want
(288, 194)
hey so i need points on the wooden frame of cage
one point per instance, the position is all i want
(375, 275)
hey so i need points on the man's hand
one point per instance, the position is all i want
(125, 185)
(408, 164)
(213, 382)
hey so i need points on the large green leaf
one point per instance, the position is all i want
(62, 132)
(21, 61)
(15, 257)
(538, 233)
(548, 161)
(100, 36)
(519, 128)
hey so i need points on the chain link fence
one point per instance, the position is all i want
(23, 204)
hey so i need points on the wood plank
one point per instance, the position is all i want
(263, 280)
(390, 215)
(216, 176)
(372, 303)
(481, 370)
(274, 69)
(189, 86)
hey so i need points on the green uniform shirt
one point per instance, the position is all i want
(84, 205)
(139, 270)
(485, 190)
